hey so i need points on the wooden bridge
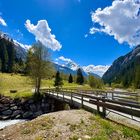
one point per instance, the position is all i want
(106, 103)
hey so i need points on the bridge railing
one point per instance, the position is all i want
(128, 97)
(101, 101)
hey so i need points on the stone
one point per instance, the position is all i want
(18, 116)
(33, 107)
(7, 112)
(38, 106)
(45, 107)
(4, 108)
(27, 114)
(16, 113)
(14, 107)
(38, 113)
(31, 101)
(87, 137)
(4, 117)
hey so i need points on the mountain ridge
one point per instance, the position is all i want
(124, 69)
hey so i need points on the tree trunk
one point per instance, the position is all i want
(38, 83)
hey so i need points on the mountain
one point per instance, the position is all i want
(125, 70)
(68, 70)
(19, 49)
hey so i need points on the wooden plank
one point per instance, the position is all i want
(125, 110)
(113, 101)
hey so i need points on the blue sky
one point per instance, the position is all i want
(70, 21)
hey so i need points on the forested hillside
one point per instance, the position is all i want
(10, 60)
(125, 70)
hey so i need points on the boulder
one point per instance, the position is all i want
(33, 107)
(4, 108)
(7, 112)
(4, 117)
(14, 107)
(18, 116)
(38, 113)
(11, 105)
(16, 113)
(27, 115)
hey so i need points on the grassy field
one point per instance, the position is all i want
(24, 85)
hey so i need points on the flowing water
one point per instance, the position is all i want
(9, 122)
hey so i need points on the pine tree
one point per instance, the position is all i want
(70, 80)
(58, 80)
(11, 55)
(80, 78)
(4, 59)
(137, 77)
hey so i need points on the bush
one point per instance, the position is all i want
(95, 82)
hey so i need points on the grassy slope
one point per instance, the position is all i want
(24, 85)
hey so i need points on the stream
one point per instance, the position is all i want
(9, 122)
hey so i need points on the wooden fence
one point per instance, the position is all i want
(123, 102)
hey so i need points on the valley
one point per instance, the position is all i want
(70, 70)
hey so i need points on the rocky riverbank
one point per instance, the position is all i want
(27, 108)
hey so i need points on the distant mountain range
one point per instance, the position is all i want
(125, 69)
(68, 70)
(21, 52)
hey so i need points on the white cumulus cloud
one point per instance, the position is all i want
(64, 59)
(121, 20)
(99, 69)
(2, 22)
(42, 33)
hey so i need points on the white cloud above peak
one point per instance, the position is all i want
(68, 63)
(121, 20)
(42, 33)
(99, 69)
(2, 22)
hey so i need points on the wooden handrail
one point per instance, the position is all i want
(99, 101)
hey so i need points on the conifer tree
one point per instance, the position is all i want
(4, 59)
(80, 77)
(58, 80)
(70, 80)
(137, 77)
(11, 56)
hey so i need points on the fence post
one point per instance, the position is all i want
(63, 96)
(98, 108)
(57, 94)
(104, 109)
(71, 98)
(81, 101)
(106, 94)
(137, 98)
(112, 95)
